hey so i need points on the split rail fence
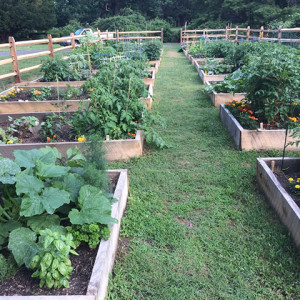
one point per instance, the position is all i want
(15, 58)
(281, 35)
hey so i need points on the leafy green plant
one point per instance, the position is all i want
(294, 185)
(41, 94)
(215, 67)
(38, 190)
(52, 263)
(70, 93)
(152, 50)
(89, 233)
(56, 69)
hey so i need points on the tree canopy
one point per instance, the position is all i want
(26, 18)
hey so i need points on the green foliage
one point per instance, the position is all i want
(90, 234)
(52, 263)
(272, 84)
(55, 69)
(115, 108)
(153, 50)
(218, 49)
(70, 93)
(215, 67)
(8, 267)
(39, 189)
(40, 94)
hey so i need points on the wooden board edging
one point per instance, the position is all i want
(284, 205)
(258, 139)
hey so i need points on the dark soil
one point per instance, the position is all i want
(33, 135)
(283, 179)
(26, 96)
(24, 285)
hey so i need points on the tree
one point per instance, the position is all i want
(24, 18)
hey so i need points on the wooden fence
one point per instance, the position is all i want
(241, 34)
(15, 58)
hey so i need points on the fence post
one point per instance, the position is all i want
(226, 33)
(118, 35)
(180, 36)
(50, 46)
(107, 34)
(261, 34)
(236, 34)
(185, 26)
(248, 33)
(72, 40)
(279, 33)
(162, 36)
(14, 57)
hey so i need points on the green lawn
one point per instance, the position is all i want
(25, 64)
(196, 224)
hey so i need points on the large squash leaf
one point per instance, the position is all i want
(8, 170)
(95, 207)
(29, 158)
(50, 199)
(42, 222)
(28, 184)
(22, 244)
(49, 171)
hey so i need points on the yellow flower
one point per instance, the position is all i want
(2, 96)
(9, 93)
(9, 142)
(21, 89)
(295, 103)
(91, 90)
(298, 179)
(291, 179)
(81, 139)
(13, 89)
(297, 186)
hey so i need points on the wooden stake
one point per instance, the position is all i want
(272, 166)
(180, 36)
(279, 33)
(118, 36)
(14, 57)
(261, 34)
(50, 46)
(261, 126)
(89, 60)
(236, 34)
(58, 101)
(162, 36)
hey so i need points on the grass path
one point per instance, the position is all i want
(236, 247)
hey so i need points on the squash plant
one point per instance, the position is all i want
(38, 191)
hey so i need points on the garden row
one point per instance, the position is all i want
(104, 89)
(257, 87)
(58, 201)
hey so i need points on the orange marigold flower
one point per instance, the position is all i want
(48, 139)
(37, 92)
(250, 112)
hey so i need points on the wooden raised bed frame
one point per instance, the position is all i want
(114, 149)
(258, 139)
(286, 208)
(104, 262)
(52, 105)
(221, 98)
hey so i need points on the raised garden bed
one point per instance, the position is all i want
(221, 98)
(259, 139)
(114, 149)
(148, 100)
(97, 286)
(38, 106)
(150, 80)
(286, 208)
(205, 77)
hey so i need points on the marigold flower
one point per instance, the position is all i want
(81, 139)
(298, 179)
(291, 179)
(48, 139)
(54, 136)
(297, 186)
(250, 112)
(9, 142)
(37, 92)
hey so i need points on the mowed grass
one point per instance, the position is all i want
(196, 224)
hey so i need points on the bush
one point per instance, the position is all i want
(152, 50)
(66, 30)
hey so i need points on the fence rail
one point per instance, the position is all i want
(189, 36)
(103, 36)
